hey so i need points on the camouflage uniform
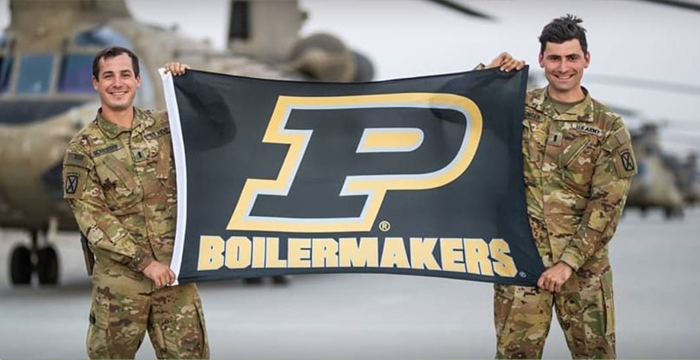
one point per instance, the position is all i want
(121, 185)
(577, 168)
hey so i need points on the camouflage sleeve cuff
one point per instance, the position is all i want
(572, 258)
(140, 261)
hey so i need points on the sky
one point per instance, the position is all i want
(640, 41)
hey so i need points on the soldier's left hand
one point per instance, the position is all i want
(176, 68)
(554, 277)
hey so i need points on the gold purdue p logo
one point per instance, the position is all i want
(397, 140)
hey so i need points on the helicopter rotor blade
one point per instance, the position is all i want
(643, 83)
(687, 5)
(463, 9)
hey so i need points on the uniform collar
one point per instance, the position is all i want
(141, 122)
(580, 112)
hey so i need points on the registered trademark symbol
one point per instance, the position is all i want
(384, 226)
(522, 274)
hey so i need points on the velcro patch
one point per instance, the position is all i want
(106, 150)
(533, 115)
(622, 136)
(158, 133)
(74, 179)
(598, 220)
(76, 159)
(555, 139)
(588, 129)
(625, 163)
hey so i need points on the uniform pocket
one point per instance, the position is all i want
(576, 164)
(606, 283)
(98, 331)
(119, 185)
(204, 338)
(502, 304)
(178, 329)
(572, 151)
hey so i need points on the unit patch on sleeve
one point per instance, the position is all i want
(623, 158)
(74, 181)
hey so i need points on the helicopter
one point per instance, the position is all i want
(655, 184)
(664, 180)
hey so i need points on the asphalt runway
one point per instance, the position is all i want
(655, 265)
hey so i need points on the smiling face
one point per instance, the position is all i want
(116, 83)
(563, 66)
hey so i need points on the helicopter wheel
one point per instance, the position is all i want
(253, 281)
(21, 266)
(47, 266)
(643, 211)
(280, 280)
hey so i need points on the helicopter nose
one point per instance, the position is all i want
(19, 112)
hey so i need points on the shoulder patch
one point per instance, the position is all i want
(75, 159)
(625, 163)
(74, 179)
(106, 150)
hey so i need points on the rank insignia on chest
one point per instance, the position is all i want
(139, 155)
(555, 139)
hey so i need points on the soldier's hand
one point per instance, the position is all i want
(160, 274)
(506, 62)
(554, 277)
(176, 68)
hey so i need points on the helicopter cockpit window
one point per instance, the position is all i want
(5, 71)
(76, 74)
(5, 65)
(34, 73)
(101, 36)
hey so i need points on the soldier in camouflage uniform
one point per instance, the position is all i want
(119, 178)
(578, 163)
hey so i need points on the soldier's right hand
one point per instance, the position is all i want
(160, 274)
(506, 62)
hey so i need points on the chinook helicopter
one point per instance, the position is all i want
(46, 94)
(664, 181)
(655, 184)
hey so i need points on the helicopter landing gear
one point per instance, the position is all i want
(47, 266)
(21, 266)
(43, 260)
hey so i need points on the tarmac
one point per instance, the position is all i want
(351, 316)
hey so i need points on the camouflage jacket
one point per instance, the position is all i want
(121, 186)
(578, 168)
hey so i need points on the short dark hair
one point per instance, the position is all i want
(112, 52)
(564, 29)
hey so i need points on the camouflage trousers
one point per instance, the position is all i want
(124, 308)
(584, 309)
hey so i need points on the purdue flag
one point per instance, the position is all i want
(417, 176)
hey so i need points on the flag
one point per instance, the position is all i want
(419, 176)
